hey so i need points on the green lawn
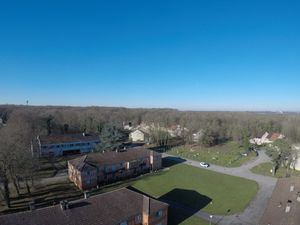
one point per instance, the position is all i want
(227, 154)
(213, 192)
(195, 188)
(265, 169)
(178, 217)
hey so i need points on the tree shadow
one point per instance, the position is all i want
(182, 203)
(170, 161)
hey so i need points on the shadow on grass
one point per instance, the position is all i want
(44, 196)
(170, 161)
(180, 202)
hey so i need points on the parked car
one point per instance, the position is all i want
(204, 164)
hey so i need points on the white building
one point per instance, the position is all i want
(197, 136)
(266, 138)
(64, 144)
(296, 164)
(139, 136)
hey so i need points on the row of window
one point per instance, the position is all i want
(138, 218)
(65, 145)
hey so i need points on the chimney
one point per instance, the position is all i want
(146, 210)
(64, 205)
(86, 195)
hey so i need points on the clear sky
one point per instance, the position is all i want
(200, 55)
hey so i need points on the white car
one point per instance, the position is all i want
(204, 164)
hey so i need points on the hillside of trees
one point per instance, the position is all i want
(217, 126)
(19, 125)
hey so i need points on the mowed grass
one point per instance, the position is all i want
(228, 154)
(196, 188)
(265, 169)
(179, 217)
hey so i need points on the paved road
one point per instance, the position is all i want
(254, 211)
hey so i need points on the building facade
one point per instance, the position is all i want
(64, 144)
(119, 207)
(97, 169)
(139, 136)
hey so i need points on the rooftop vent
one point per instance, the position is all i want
(298, 196)
(292, 188)
(86, 195)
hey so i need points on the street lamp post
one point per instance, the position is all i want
(210, 219)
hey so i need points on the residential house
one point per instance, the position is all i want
(96, 169)
(197, 136)
(64, 144)
(177, 131)
(139, 135)
(267, 138)
(296, 164)
(128, 126)
(120, 207)
(284, 205)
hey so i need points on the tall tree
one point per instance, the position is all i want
(111, 138)
(281, 154)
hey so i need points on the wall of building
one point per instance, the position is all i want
(154, 219)
(137, 136)
(58, 149)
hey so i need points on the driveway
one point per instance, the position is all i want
(252, 214)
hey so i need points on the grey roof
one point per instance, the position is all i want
(109, 208)
(67, 138)
(283, 196)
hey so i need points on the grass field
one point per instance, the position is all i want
(228, 154)
(194, 188)
(178, 217)
(265, 169)
(212, 192)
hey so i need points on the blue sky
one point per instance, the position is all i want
(199, 55)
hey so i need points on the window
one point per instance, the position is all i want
(123, 223)
(158, 224)
(158, 213)
(88, 182)
(138, 219)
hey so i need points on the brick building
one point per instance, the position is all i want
(95, 169)
(120, 207)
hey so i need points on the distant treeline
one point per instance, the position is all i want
(217, 126)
